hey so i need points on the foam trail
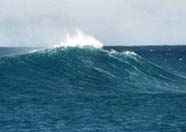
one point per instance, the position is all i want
(81, 40)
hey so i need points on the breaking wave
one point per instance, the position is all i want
(80, 40)
(79, 86)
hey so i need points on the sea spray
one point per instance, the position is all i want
(80, 39)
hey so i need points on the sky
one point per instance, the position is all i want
(113, 22)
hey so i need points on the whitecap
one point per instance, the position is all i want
(80, 40)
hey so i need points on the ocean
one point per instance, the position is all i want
(113, 89)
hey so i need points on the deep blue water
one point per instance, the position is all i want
(115, 89)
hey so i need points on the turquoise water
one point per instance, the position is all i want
(83, 89)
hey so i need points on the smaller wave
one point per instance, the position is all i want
(127, 53)
(80, 40)
(37, 50)
(130, 53)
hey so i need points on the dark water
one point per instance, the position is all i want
(133, 89)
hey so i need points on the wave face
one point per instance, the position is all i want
(88, 89)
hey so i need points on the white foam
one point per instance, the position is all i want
(37, 50)
(81, 40)
(128, 53)
(33, 51)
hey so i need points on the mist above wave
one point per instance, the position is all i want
(81, 40)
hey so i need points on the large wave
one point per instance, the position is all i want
(87, 70)
(80, 86)
(80, 63)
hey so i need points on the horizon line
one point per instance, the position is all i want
(103, 46)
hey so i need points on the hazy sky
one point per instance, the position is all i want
(114, 22)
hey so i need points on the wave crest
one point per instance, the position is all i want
(80, 40)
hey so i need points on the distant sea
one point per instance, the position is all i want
(114, 89)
